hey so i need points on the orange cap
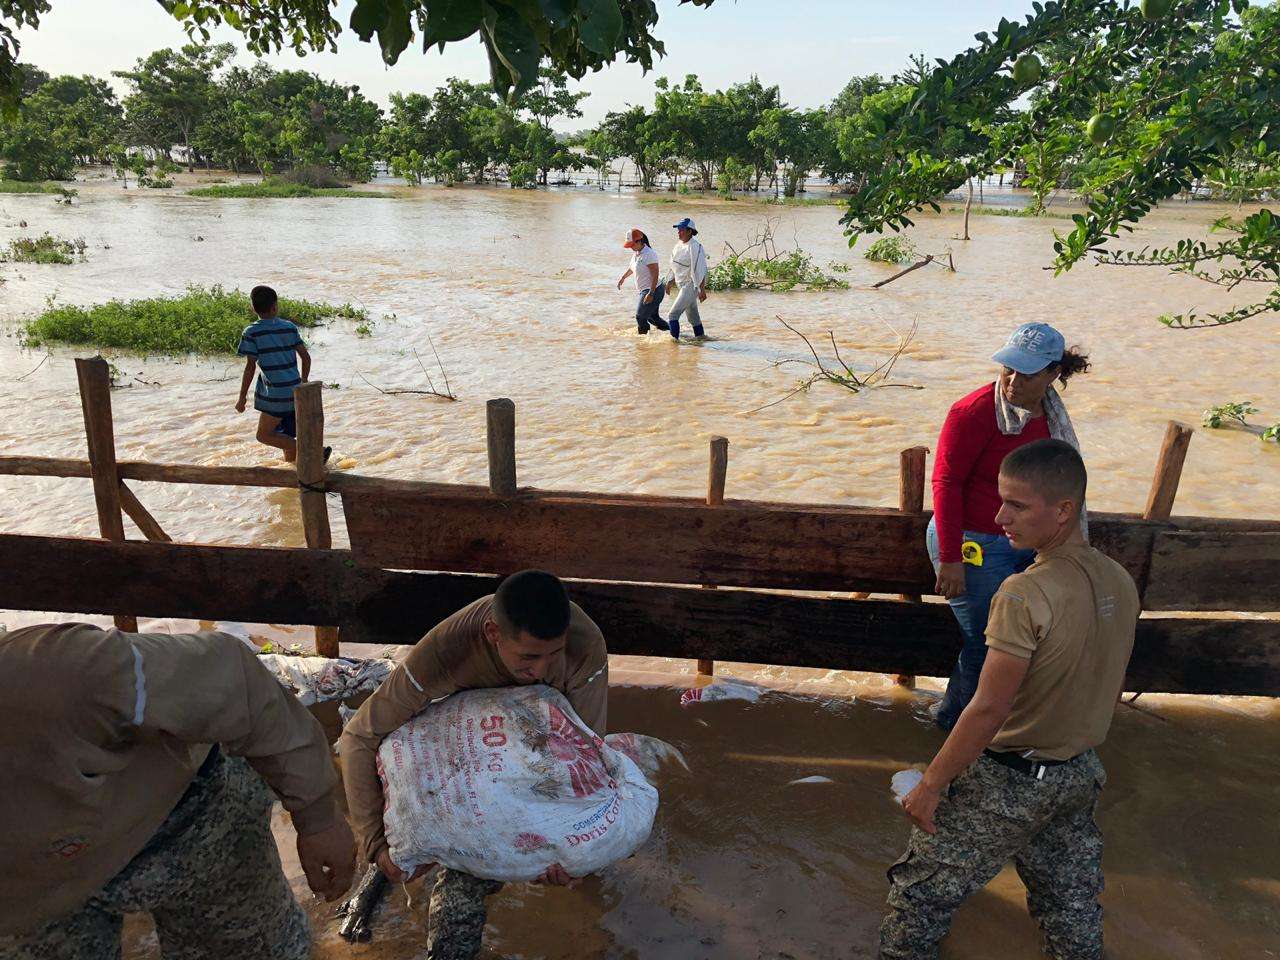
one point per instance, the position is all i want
(633, 235)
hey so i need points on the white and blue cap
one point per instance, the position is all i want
(686, 224)
(1031, 348)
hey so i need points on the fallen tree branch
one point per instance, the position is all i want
(902, 273)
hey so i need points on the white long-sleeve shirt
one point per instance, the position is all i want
(688, 263)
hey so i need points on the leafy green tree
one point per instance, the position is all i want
(795, 140)
(173, 90)
(40, 141)
(630, 131)
(600, 151)
(1184, 92)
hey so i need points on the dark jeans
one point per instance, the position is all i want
(647, 313)
(999, 560)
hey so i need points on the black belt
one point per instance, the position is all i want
(1024, 765)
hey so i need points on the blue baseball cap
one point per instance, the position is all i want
(1031, 348)
(686, 224)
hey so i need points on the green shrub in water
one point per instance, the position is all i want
(276, 189)
(203, 320)
(45, 248)
(1229, 412)
(891, 250)
(794, 270)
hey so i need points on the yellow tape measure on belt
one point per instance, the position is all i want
(971, 552)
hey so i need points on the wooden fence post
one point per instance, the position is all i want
(309, 409)
(717, 470)
(95, 400)
(1164, 485)
(501, 433)
(910, 500)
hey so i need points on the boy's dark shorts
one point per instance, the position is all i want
(288, 425)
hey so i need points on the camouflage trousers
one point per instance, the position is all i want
(991, 815)
(456, 924)
(210, 876)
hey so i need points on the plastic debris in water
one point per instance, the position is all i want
(721, 690)
(903, 782)
(811, 780)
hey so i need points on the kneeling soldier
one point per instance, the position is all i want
(1018, 777)
(133, 768)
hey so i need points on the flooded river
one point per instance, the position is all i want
(516, 290)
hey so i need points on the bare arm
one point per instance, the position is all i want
(1002, 675)
(245, 382)
(305, 357)
(623, 279)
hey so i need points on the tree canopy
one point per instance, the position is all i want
(572, 36)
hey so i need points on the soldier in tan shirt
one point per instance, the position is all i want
(131, 780)
(528, 632)
(1018, 777)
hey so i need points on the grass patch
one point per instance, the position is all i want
(277, 190)
(1011, 212)
(203, 320)
(45, 248)
(46, 186)
(804, 201)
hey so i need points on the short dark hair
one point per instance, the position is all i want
(1052, 466)
(262, 298)
(533, 602)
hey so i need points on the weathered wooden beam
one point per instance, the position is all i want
(500, 422)
(1164, 485)
(717, 474)
(911, 464)
(309, 409)
(141, 517)
(1192, 570)
(295, 586)
(94, 379)
(161, 472)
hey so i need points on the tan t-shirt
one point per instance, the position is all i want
(1072, 613)
(454, 656)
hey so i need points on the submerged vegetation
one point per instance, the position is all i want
(276, 189)
(202, 320)
(38, 186)
(891, 250)
(45, 248)
(759, 266)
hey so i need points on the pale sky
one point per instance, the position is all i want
(810, 51)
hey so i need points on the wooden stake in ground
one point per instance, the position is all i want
(501, 435)
(910, 500)
(95, 401)
(968, 202)
(308, 405)
(717, 471)
(1164, 485)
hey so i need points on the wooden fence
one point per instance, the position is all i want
(640, 565)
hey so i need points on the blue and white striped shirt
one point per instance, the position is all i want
(274, 344)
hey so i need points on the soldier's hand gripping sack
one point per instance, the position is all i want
(503, 783)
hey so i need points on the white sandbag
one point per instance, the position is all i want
(721, 690)
(503, 783)
(319, 679)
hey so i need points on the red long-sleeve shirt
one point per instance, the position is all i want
(967, 465)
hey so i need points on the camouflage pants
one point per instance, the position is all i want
(456, 925)
(210, 876)
(991, 815)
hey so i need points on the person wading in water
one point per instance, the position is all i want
(1018, 778)
(969, 552)
(689, 274)
(644, 264)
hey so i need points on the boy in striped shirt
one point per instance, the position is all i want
(273, 345)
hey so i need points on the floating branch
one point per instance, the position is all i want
(845, 376)
(431, 391)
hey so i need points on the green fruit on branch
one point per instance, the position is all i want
(1101, 128)
(1155, 9)
(1027, 70)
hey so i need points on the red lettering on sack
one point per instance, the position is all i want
(494, 739)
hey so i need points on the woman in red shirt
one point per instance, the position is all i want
(980, 430)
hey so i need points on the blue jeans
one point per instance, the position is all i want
(647, 313)
(999, 560)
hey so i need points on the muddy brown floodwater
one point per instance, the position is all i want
(517, 291)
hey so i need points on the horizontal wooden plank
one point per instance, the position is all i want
(672, 540)
(287, 586)
(1193, 570)
(226, 476)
